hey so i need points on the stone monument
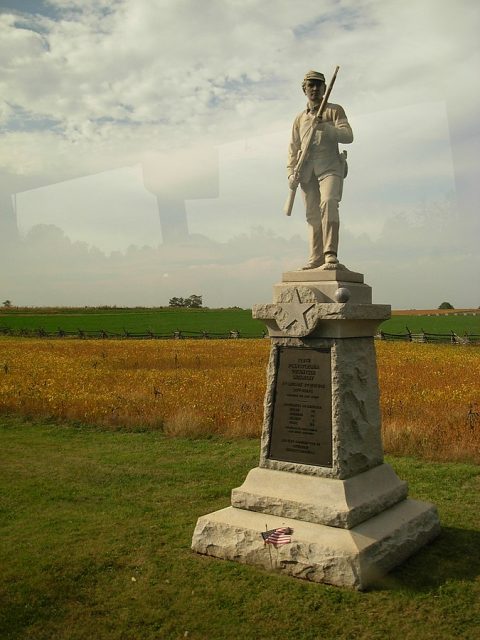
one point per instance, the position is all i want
(321, 494)
(321, 474)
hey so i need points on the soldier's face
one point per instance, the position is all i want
(314, 90)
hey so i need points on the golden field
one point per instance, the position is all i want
(429, 393)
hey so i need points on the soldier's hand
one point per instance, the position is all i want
(328, 129)
(292, 181)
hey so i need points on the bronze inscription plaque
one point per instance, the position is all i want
(301, 428)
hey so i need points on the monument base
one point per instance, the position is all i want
(330, 501)
(321, 471)
(354, 558)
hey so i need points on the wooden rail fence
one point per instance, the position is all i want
(104, 334)
(424, 336)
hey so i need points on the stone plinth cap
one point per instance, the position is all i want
(324, 310)
(334, 502)
(321, 275)
(297, 319)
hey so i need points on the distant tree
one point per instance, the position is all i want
(176, 302)
(7, 304)
(192, 302)
(446, 305)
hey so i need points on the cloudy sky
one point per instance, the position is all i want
(143, 147)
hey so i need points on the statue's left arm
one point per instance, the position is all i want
(336, 120)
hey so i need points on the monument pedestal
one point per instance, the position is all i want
(321, 471)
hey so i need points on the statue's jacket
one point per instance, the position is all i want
(323, 157)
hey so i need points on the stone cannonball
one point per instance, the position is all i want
(342, 294)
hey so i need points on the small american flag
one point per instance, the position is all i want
(278, 536)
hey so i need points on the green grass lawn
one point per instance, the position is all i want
(166, 321)
(95, 544)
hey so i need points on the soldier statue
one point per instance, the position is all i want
(323, 169)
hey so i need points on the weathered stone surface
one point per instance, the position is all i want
(336, 503)
(344, 557)
(357, 444)
(356, 410)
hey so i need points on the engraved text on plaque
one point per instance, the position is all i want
(301, 429)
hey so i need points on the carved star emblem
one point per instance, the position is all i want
(294, 312)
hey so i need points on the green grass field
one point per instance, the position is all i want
(139, 321)
(221, 321)
(460, 324)
(96, 530)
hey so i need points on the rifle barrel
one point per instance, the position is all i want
(289, 202)
(327, 93)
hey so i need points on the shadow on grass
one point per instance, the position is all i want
(453, 556)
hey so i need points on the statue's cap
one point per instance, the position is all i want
(314, 75)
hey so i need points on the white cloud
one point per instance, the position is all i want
(217, 69)
(101, 86)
